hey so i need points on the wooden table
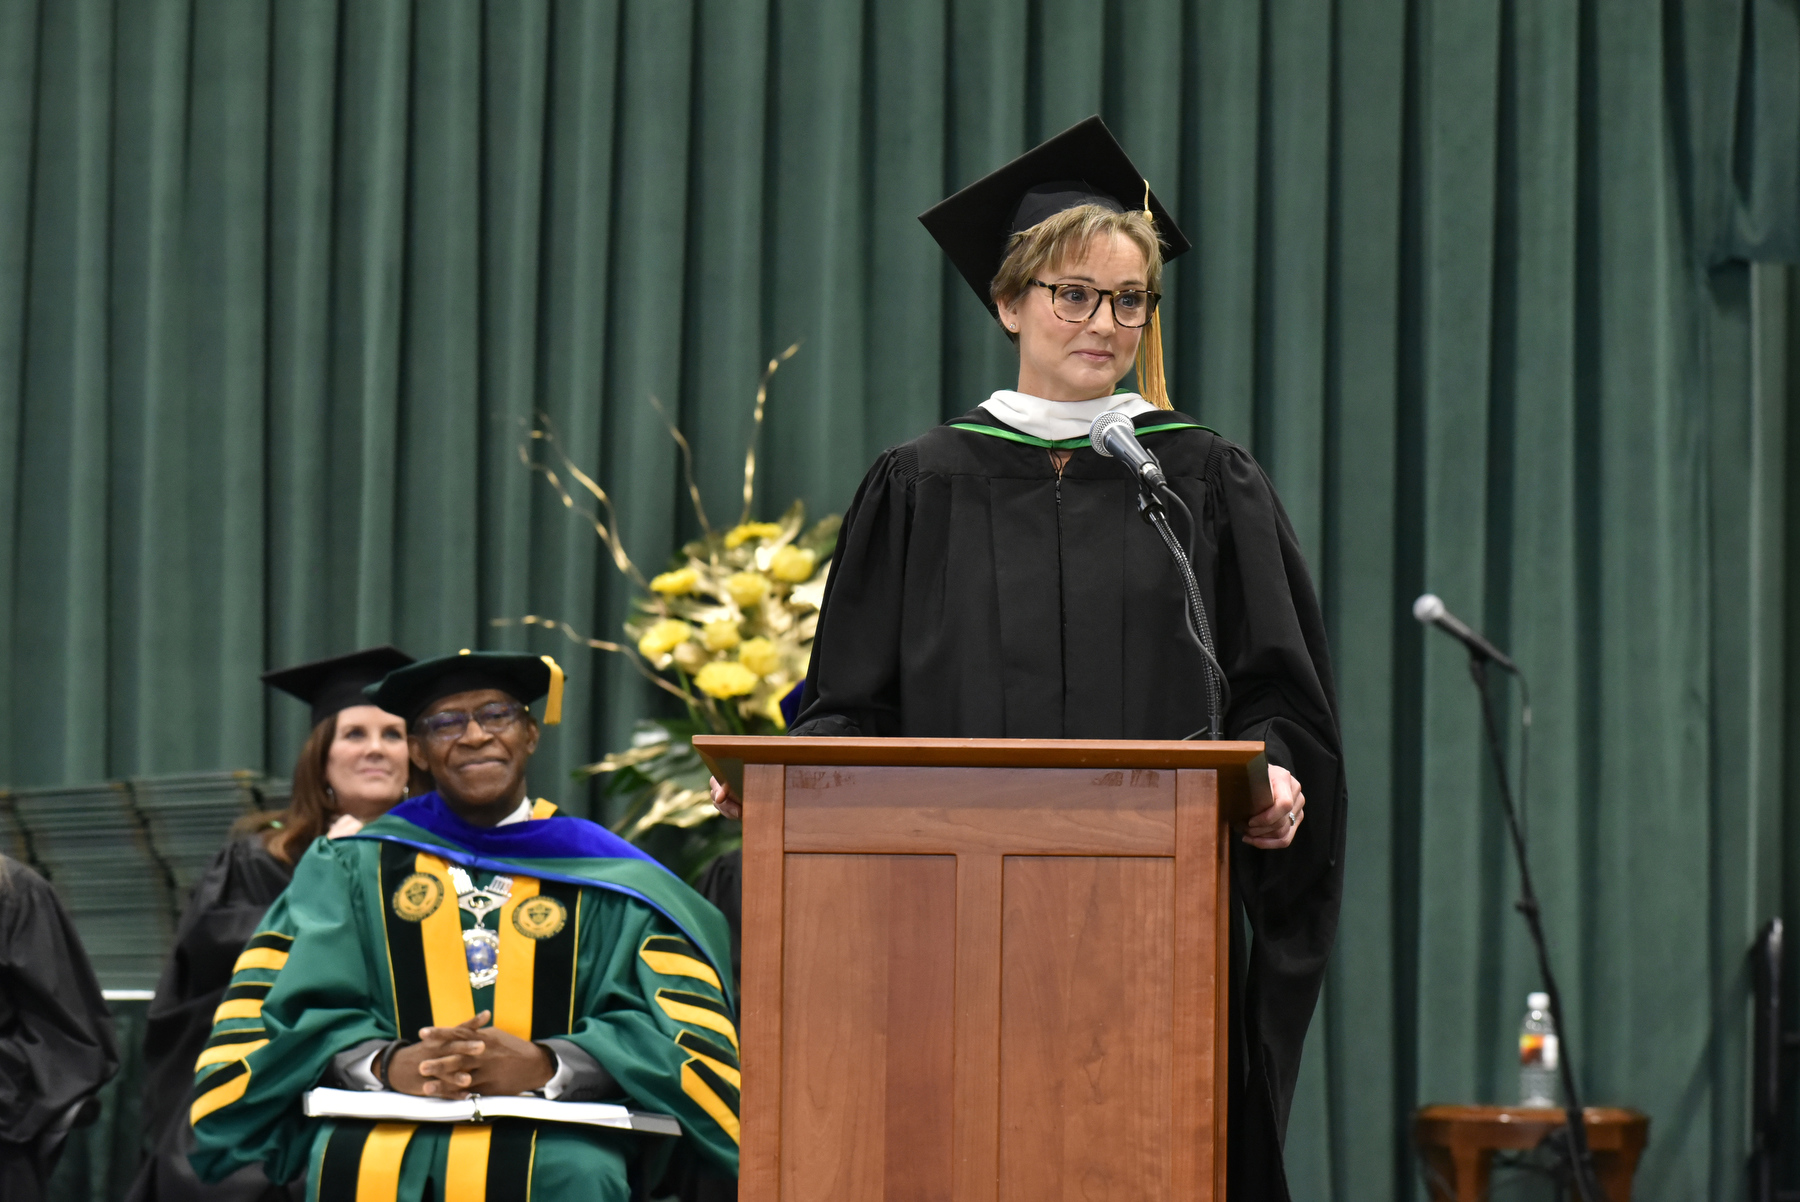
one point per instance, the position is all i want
(1460, 1141)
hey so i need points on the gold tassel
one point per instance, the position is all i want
(1152, 386)
(553, 703)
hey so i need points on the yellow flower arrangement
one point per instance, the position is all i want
(662, 637)
(746, 588)
(792, 564)
(727, 629)
(722, 679)
(721, 634)
(737, 627)
(760, 656)
(737, 536)
(677, 583)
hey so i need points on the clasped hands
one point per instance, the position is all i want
(1269, 828)
(471, 1058)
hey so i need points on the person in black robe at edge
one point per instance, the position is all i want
(993, 580)
(352, 769)
(56, 1034)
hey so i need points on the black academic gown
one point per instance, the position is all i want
(976, 594)
(221, 916)
(56, 1037)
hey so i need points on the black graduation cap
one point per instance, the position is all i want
(409, 690)
(330, 685)
(1084, 164)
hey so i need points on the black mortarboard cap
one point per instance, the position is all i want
(409, 690)
(330, 685)
(1084, 164)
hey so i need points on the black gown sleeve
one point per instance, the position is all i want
(56, 1036)
(1271, 639)
(222, 913)
(853, 682)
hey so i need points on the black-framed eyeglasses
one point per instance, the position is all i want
(496, 717)
(1131, 307)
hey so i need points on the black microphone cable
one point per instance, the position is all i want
(1218, 689)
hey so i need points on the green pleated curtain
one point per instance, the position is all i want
(1495, 289)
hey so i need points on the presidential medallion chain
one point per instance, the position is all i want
(481, 946)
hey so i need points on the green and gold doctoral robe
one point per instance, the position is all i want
(598, 945)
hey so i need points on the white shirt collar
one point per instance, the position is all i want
(1057, 420)
(522, 814)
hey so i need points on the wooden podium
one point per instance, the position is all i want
(985, 970)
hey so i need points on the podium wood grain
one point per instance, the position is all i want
(969, 977)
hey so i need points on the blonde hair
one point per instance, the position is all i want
(1033, 252)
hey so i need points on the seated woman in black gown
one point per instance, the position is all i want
(352, 769)
(993, 579)
(56, 1034)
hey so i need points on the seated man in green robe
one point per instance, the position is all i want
(472, 942)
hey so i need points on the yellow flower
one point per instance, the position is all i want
(739, 535)
(793, 564)
(689, 657)
(760, 656)
(725, 679)
(721, 635)
(772, 711)
(663, 638)
(677, 583)
(747, 588)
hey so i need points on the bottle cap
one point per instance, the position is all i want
(1537, 1001)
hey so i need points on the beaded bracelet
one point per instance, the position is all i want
(385, 1061)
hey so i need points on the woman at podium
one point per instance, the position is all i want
(993, 579)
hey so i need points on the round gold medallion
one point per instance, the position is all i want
(418, 897)
(539, 917)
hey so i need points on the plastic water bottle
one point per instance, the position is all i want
(1538, 1053)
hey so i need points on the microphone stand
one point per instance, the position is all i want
(1150, 508)
(1581, 1161)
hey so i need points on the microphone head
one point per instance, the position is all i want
(1103, 423)
(1428, 608)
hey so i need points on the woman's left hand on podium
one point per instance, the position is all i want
(1275, 826)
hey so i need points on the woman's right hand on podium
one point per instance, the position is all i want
(725, 800)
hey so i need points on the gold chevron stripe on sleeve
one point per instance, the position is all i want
(243, 1007)
(221, 1095)
(673, 964)
(709, 1101)
(720, 1067)
(261, 957)
(225, 1053)
(699, 1016)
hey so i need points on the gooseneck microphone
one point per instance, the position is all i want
(1113, 436)
(1429, 609)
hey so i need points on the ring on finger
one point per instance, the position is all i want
(1293, 817)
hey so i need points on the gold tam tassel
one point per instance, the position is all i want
(553, 703)
(1152, 385)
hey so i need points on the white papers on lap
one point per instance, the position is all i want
(389, 1106)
